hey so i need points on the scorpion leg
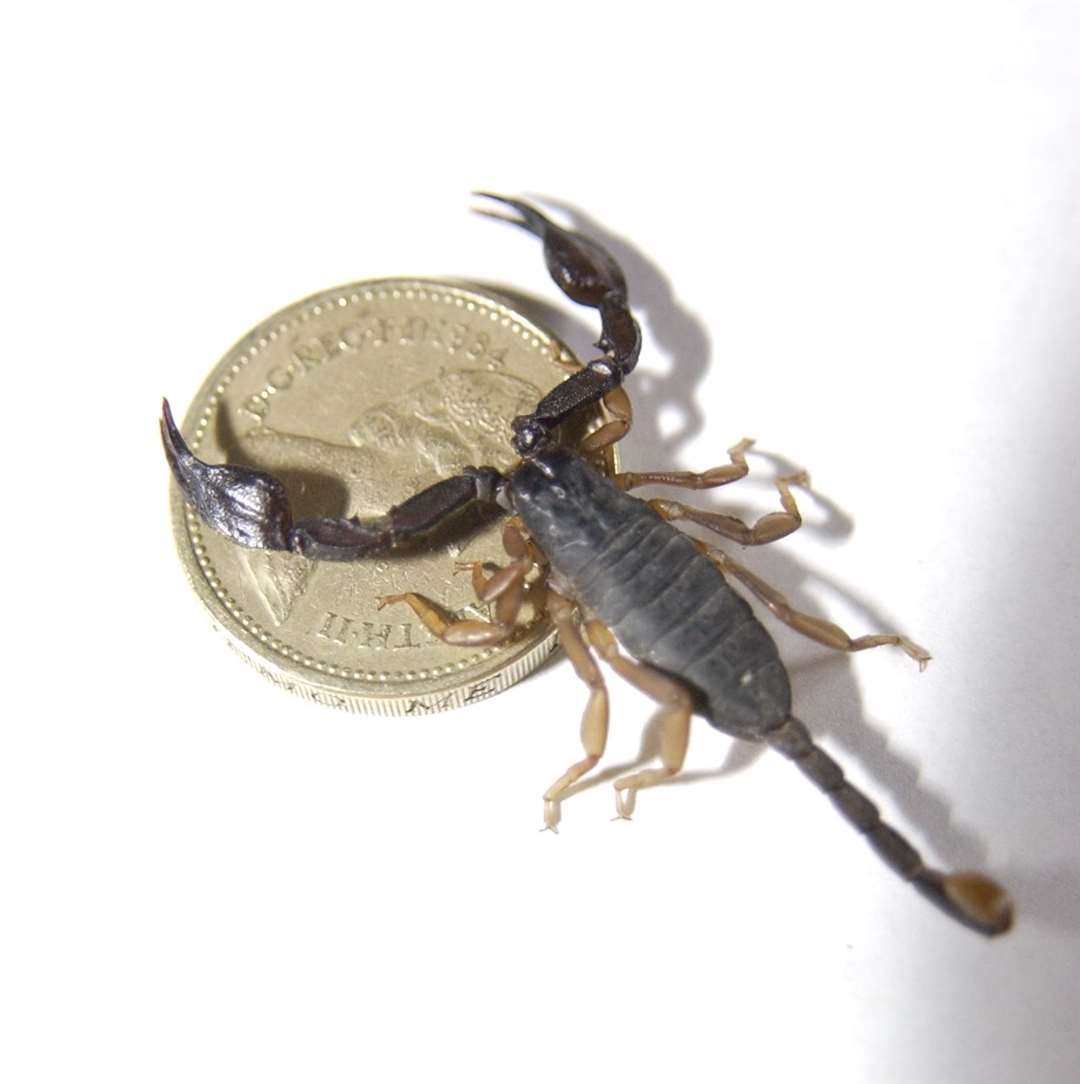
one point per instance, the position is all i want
(594, 720)
(717, 476)
(505, 587)
(586, 272)
(465, 633)
(251, 507)
(676, 707)
(816, 628)
(617, 404)
(768, 528)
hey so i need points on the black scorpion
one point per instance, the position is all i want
(611, 571)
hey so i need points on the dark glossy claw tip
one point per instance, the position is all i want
(246, 505)
(584, 270)
(531, 219)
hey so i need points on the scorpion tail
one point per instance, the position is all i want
(970, 898)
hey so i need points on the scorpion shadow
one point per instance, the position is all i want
(824, 684)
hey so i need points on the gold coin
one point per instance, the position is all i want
(356, 398)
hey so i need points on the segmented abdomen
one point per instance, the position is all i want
(668, 604)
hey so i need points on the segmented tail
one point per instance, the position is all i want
(970, 898)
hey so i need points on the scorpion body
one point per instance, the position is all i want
(665, 602)
(612, 572)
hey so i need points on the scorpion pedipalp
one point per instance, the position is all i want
(252, 507)
(587, 273)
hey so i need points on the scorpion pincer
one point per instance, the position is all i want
(616, 577)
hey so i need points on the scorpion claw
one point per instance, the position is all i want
(249, 506)
(531, 219)
(584, 270)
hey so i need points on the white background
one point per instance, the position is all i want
(851, 232)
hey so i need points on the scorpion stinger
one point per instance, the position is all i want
(588, 274)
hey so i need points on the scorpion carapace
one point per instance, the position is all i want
(612, 572)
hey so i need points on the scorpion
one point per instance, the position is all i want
(613, 573)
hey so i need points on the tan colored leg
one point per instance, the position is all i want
(505, 587)
(617, 404)
(676, 707)
(594, 721)
(718, 476)
(768, 528)
(518, 544)
(439, 623)
(824, 632)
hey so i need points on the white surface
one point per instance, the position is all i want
(851, 232)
